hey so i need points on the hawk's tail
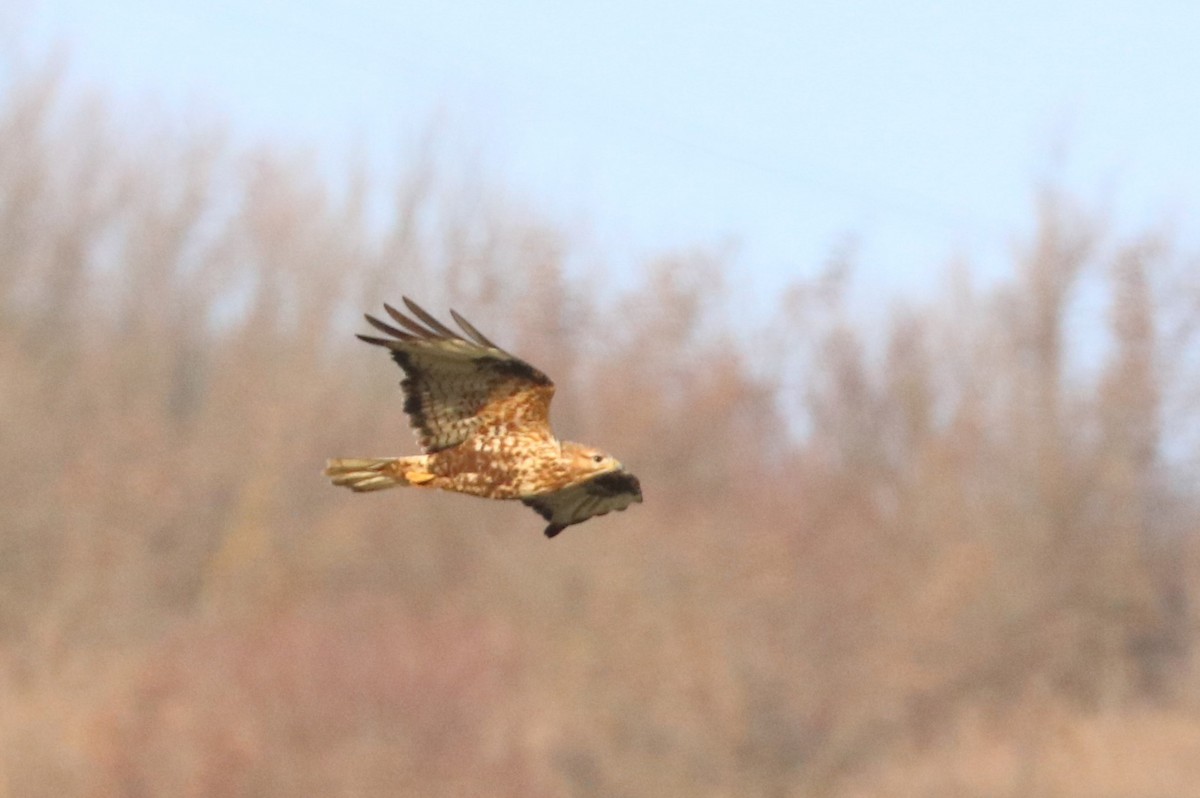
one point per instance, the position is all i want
(361, 476)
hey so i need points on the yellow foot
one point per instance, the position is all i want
(417, 477)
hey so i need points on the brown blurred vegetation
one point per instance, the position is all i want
(948, 552)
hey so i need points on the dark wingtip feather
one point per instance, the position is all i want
(470, 330)
(428, 318)
(616, 482)
(370, 339)
(554, 529)
(386, 328)
(406, 322)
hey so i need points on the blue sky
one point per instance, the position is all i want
(920, 129)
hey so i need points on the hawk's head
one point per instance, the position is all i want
(587, 462)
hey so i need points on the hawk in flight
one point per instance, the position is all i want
(482, 417)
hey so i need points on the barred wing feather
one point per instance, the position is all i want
(451, 380)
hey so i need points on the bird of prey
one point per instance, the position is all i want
(482, 418)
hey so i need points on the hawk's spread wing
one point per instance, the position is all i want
(451, 382)
(614, 490)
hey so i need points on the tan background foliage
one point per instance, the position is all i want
(947, 551)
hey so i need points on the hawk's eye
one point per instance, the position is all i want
(598, 458)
